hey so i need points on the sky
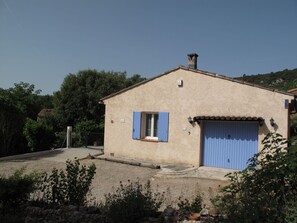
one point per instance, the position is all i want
(42, 41)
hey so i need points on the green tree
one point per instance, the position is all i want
(78, 98)
(11, 125)
(84, 128)
(25, 99)
(45, 101)
(136, 78)
(17, 104)
(39, 135)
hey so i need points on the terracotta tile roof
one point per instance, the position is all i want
(228, 118)
(293, 91)
(45, 112)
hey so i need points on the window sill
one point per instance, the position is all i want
(149, 140)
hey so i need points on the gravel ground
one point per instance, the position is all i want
(109, 174)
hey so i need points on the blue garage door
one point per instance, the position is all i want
(229, 144)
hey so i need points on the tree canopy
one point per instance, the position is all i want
(17, 104)
(78, 98)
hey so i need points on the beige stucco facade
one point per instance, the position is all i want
(201, 93)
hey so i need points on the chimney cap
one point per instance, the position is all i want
(193, 55)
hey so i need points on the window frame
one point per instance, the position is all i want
(139, 126)
(153, 128)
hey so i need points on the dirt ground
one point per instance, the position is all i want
(109, 174)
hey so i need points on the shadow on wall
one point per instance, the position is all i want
(264, 130)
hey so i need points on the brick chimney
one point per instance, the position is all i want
(192, 60)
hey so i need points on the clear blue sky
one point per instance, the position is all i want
(41, 41)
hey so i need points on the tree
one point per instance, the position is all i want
(11, 124)
(17, 104)
(84, 128)
(78, 98)
(136, 78)
(39, 135)
(24, 99)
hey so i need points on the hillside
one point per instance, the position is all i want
(281, 80)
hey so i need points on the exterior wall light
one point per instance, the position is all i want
(272, 123)
(190, 119)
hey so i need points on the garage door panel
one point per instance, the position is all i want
(229, 144)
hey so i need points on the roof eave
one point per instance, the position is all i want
(236, 81)
(138, 84)
(215, 75)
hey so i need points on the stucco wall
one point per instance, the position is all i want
(200, 95)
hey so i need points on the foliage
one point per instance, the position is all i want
(60, 140)
(282, 80)
(11, 124)
(16, 104)
(39, 135)
(16, 189)
(291, 213)
(70, 187)
(264, 190)
(84, 128)
(194, 206)
(79, 96)
(136, 78)
(44, 101)
(293, 132)
(132, 202)
(22, 96)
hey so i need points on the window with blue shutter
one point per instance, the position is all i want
(163, 126)
(136, 125)
(150, 126)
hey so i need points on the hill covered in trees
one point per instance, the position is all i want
(281, 80)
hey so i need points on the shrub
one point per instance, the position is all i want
(132, 202)
(39, 135)
(60, 141)
(263, 191)
(16, 189)
(84, 128)
(71, 187)
(291, 214)
(194, 206)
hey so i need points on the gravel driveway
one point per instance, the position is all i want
(109, 174)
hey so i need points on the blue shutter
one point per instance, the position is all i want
(163, 126)
(136, 125)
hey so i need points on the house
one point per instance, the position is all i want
(293, 91)
(190, 116)
(45, 112)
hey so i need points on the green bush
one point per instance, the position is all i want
(131, 202)
(70, 187)
(194, 206)
(83, 130)
(291, 213)
(264, 190)
(39, 135)
(16, 189)
(60, 141)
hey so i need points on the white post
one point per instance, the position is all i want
(69, 139)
